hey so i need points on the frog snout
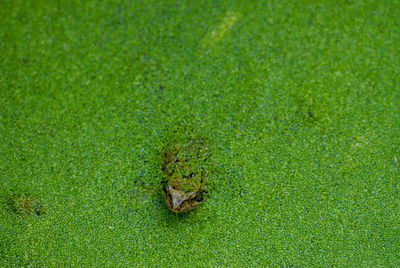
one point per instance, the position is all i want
(177, 200)
(177, 197)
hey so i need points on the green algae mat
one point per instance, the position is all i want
(297, 102)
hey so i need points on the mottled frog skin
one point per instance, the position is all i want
(184, 167)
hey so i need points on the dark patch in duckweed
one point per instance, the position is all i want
(23, 204)
(305, 111)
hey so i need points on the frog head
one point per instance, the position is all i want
(183, 193)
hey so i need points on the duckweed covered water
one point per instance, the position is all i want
(299, 102)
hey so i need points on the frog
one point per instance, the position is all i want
(183, 166)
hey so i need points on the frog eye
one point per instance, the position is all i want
(199, 197)
(191, 175)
